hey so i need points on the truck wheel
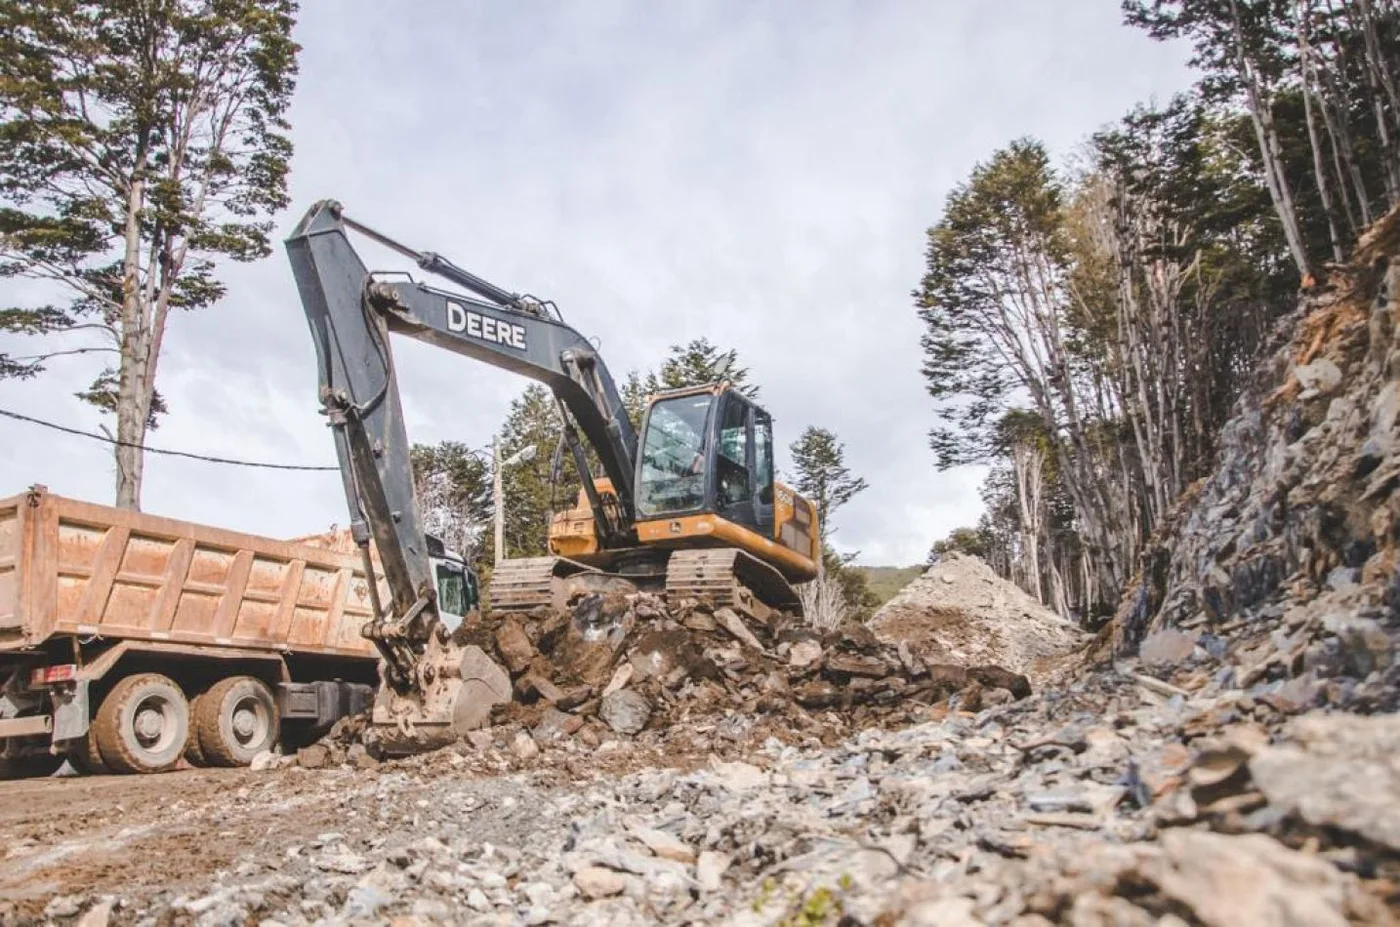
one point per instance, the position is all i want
(236, 720)
(85, 756)
(194, 754)
(142, 724)
(34, 766)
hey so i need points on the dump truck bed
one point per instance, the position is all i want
(75, 568)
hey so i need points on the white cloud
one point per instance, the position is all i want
(757, 174)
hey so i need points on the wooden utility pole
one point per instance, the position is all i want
(498, 502)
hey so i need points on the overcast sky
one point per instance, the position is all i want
(760, 174)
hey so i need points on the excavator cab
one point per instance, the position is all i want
(705, 477)
(707, 450)
(704, 481)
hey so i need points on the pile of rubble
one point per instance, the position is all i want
(620, 663)
(960, 611)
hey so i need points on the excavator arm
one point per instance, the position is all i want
(351, 313)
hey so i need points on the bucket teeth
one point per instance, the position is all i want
(459, 687)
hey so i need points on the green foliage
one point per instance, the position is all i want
(634, 398)
(822, 475)
(885, 582)
(1000, 228)
(1088, 333)
(103, 394)
(140, 141)
(971, 541)
(694, 364)
(823, 906)
(530, 495)
(453, 487)
(697, 363)
(860, 600)
(1250, 58)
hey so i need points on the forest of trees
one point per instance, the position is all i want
(1090, 324)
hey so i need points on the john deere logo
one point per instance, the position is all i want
(484, 328)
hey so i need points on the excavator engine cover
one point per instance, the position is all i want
(457, 687)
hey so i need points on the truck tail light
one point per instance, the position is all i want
(48, 675)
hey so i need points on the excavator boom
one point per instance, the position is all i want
(351, 313)
(696, 510)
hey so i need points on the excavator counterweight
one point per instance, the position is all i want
(691, 509)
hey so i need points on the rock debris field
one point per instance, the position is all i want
(692, 767)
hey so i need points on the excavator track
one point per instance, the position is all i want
(527, 583)
(729, 578)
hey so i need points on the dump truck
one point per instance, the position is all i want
(129, 641)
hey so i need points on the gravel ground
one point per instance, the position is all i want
(1115, 800)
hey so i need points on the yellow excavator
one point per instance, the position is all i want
(689, 510)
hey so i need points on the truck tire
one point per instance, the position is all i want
(34, 766)
(236, 720)
(194, 754)
(85, 756)
(142, 724)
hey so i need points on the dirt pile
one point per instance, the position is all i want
(1282, 570)
(621, 663)
(961, 612)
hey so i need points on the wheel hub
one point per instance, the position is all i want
(244, 721)
(149, 724)
(249, 721)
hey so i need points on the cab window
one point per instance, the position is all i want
(763, 457)
(451, 589)
(673, 455)
(732, 463)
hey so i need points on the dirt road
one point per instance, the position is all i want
(138, 836)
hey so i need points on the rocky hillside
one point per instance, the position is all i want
(1282, 566)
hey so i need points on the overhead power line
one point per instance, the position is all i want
(159, 450)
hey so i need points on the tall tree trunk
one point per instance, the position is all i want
(1324, 183)
(1262, 117)
(1030, 471)
(132, 413)
(1383, 90)
(1340, 128)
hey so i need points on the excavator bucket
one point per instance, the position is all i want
(457, 687)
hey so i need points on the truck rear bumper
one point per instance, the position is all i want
(31, 726)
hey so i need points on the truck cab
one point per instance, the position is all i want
(458, 592)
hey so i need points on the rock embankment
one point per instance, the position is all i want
(1283, 568)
